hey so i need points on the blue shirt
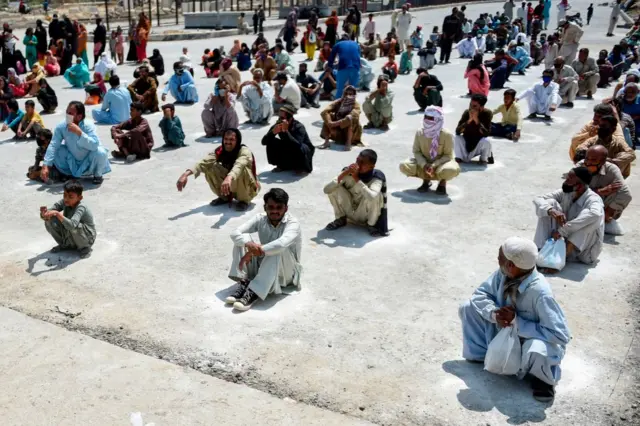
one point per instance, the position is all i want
(633, 110)
(538, 314)
(14, 118)
(348, 52)
(118, 102)
(78, 146)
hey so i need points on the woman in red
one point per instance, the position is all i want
(142, 36)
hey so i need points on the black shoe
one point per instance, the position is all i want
(490, 160)
(315, 105)
(547, 118)
(245, 302)
(531, 116)
(97, 180)
(236, 295)
(543, 392)
(521, 72)
(569, 104)
(425, 186)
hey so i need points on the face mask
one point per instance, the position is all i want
(479, 36)
(603, 133)
(566, 188)
(179, 72)
(302, 73)
(69, 118)
(547, 79)
(222, 92)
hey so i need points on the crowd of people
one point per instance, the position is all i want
(589, 204)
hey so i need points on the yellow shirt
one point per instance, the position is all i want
(35, 117)
(510, 116)
(422, 148)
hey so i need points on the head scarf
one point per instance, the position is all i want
(432, 128)
(105, 64)
(13, 76)
(346, 103)
(226, 63)
(98, 80)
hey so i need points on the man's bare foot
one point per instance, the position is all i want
(549, 271)
(347, 146)
(325, 145)
(57, 249)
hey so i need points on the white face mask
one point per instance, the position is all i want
(69, 118)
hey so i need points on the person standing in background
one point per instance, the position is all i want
(589, 13)
(613, 20)
(99, 40)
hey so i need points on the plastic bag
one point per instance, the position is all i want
(504, 354)
(553, 255)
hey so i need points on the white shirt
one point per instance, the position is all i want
(290, 92)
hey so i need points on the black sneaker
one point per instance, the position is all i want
(245, 302)
(547, 118)
(531, 116)
(236, 295)
(543, 392)
(97, 180)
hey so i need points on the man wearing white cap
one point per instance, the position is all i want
(517, 292)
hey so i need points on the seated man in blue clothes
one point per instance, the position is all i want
(517, 295)
(181, 86)
(82, 154)
(116, 104)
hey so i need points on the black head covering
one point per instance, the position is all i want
(583, 174)
(226, 158)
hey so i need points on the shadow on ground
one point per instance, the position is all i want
(280, 177)
(486, 391)
(55, 261)
(412, 196)
(224, 212)
(573, 271)
(351, 236)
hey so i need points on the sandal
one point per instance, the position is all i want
(219, 202)
(325, 145)
(441, 190)
(336, 224)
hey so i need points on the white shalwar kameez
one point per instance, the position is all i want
(481, 44)
(404, 24)
(361, 203)
(280, 266)
(584, 227)
(542, 326)
(259, 109)
(541, 98)
(569, 87)
(467, 48)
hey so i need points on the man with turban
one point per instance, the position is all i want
(517, 295)
(230, 74)
(433, 157)
(574, 213)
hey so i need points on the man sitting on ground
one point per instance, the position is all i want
(230, 172)
(588, 73)
(82, 154)
(143, 89)
(171, 127)
(567, 80)
(70, 222)
(309, 88)
(511, 124)
(116, 104)
(472, 131)
(574, 213)
(181, 85)
(288, 144)
(272, 264)
(620, 153)
(433, 157)
(516, 291)
(133, 137)
(543, 97)
(608, 183)
(256, 97)
(359, 194)
(378, 106)
(590, 129)
(287, 92)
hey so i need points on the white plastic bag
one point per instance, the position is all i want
(504, 354)
(553, 255)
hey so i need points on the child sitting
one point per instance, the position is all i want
(428, 56)
(406, 60)
(70, 222)
(171, 127)
(391, 68)
(31, 122)
(43, 139)
(15, 116)
(435, 36)
(490, 42)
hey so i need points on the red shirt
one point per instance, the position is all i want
(529, 13)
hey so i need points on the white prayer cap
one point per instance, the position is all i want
(521, 251)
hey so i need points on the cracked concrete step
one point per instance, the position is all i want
(53, 376)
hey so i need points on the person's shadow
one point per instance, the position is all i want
(55, 261)
(57, 188)
(573, 271)
(204, 139)
(350, 236)
(486, 391)
(224, 212)
(472, 166)
(411, 196)
(280, 177)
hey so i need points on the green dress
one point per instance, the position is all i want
(31, 53)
